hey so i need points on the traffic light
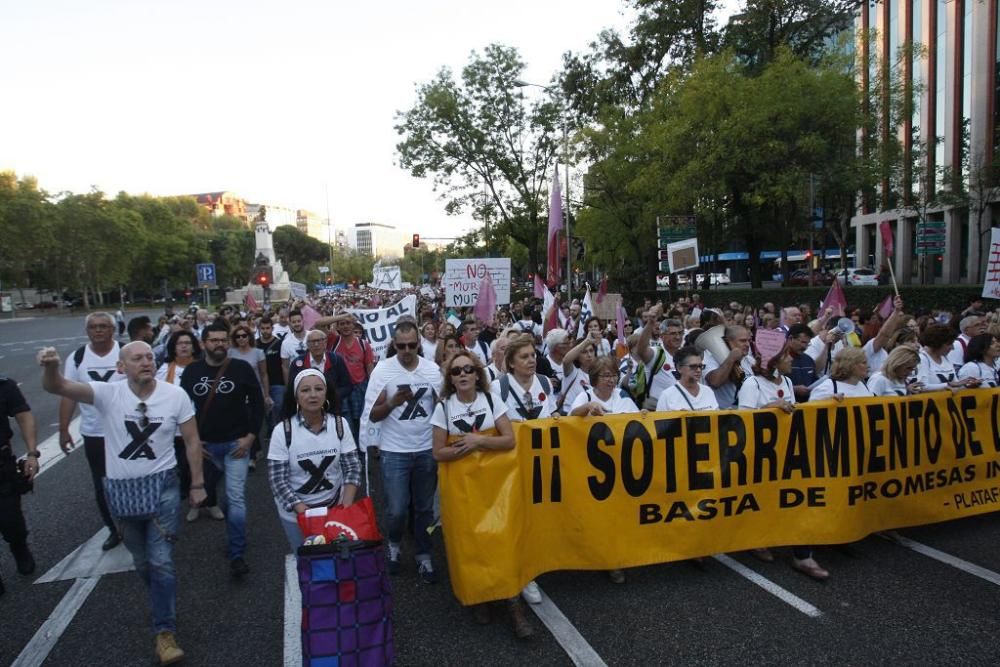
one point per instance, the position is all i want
(263, 276)
(416, 241)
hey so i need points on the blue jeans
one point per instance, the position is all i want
(274, 416)
(151, 543)
(234, 471)
(405, 475)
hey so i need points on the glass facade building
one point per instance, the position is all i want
(946, 54)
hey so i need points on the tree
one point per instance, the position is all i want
(480, 132)
(300, 254)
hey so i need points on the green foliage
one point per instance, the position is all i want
(480, 134)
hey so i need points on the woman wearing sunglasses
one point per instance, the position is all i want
(245, 347)
(469, 418)
(689, 393)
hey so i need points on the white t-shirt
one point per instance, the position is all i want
(602, 348)
(574, 384)
(826, 389)
(725, 394)
(957, 354)
(428, 348)
(620, 402)
(663, 379)
(481, 350)
(678, 398)
(129, 449)
(161, 375)
(875, 359)
(529, 326)
(757, 392)
(93, 368)
(933, 374)
(522, 405)
(280, 330)
(458, 418)
(292, 347)
(980, 371)
(557, 368)
(313, 459)
(407, 428)
(880, 385)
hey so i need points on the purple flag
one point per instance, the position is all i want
(885, 308)
(555, 226)
(486, 304)
(835, 299)
(539, 287)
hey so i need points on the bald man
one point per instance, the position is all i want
(140, 416)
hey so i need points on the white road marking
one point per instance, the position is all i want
(579, 651)
(947, 559)
(51, 452)
(293, 614)
(89, 560)
(37, 650)
(774, 589)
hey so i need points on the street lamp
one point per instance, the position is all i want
(569, 251)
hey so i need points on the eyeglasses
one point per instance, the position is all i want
(467, 369)
(696, 367)
(143, 419)
(406, 346)
(607, 376)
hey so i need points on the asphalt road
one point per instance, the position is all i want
(885, 603)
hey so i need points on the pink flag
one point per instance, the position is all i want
(620, 323)
(555, 226)
(886, 230)
(309, 317)
(539, 287)
(835, 299)
(885, 308)
(602, 289)
(486, 304)
(251, 303)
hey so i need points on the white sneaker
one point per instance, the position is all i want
(192, 515)
(215, 512)
(532, 594)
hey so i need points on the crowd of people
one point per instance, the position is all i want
(192, 402)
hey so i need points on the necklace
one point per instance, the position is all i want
(467, 406)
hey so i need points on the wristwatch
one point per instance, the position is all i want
(36, 455)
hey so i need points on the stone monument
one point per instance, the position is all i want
(263, 257)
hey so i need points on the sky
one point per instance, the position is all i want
(283, 103)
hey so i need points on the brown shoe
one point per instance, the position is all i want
(810, 568)
(522, 628)
(764, 555)
(481, 613)
(167, 649)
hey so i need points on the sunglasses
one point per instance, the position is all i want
(696, 367)
(467, 369)
(406, 346)
(240, 335)
(143, 419)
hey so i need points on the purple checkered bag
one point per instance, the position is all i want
(346, 605)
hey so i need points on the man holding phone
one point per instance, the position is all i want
(400, 399)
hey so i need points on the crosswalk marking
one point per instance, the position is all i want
(942, 557)
(89, 560)
(774, 589)
(293, 614)
(42, 643)
(579, 651)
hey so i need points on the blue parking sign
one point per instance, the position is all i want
(206, 274)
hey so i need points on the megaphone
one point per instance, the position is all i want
(845, 325)
(714, 341)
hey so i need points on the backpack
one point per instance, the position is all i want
(505, 385)
(287, 426)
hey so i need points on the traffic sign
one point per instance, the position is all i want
(206, 274)
(324, 269)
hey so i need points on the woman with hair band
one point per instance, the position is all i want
(320, 466)
(468, 419)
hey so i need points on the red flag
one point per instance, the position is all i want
(539, 287)
(250, 302)
(486, 304)
(835, 299)
(886, 230)
(602, 289)
(555, 226)
(885, 308)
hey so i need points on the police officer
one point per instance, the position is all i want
(12, 525)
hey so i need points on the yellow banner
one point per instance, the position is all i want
(584, 493)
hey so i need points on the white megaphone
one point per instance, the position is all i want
(845, 325)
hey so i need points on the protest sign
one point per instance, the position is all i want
(600, 493)
(462, 278)
(769, 343)
(386, 277)
(379, 323)
(991, 286)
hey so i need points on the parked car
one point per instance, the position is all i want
(720, 279)
(857, 277)
(800, 278)
(24, 306)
